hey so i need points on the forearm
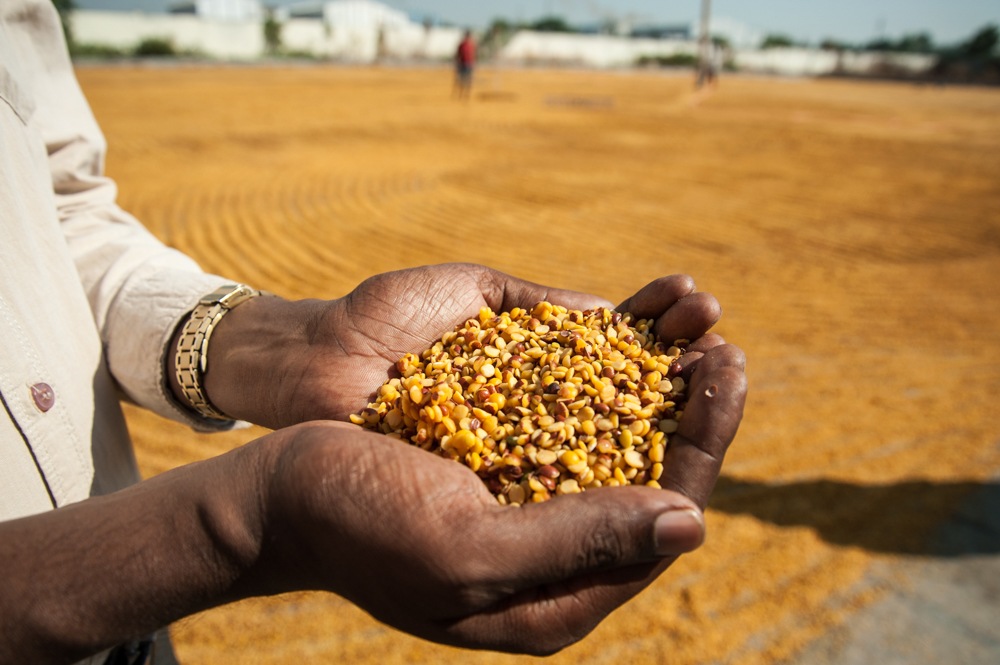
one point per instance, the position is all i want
(87, 576)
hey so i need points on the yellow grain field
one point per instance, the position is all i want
(850, 230)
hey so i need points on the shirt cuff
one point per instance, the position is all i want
(148, 312)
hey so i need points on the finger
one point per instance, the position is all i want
(543, 620)
(689, 318)
(504, 292)
(716, 396)
(706, 342)
(561, 566)
(656, 297)
(685, 365)
(689, 361)
(584, 533)
(722, 355)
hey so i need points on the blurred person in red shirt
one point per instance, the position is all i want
(465, 63)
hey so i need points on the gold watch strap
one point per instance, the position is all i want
(191, 360)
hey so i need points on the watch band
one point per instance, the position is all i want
(191, 360)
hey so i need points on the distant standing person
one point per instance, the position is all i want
(710, 65)
(465, 63)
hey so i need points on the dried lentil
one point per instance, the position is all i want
(540, 401)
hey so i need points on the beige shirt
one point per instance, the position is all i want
(88, 297)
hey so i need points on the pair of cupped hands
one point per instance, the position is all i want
(417, 540)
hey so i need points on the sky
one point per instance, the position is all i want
(948, 21)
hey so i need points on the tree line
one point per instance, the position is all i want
(981, 44)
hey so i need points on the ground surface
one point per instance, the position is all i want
(851, 231)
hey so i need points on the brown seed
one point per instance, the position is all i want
(548, 471)
(512, 473)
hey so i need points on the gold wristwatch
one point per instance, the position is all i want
(191, 361)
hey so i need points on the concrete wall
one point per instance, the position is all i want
(588, 50)
(221, 39)
(415, 41)
(244, 40)
(609, 51)
(358, 44)
(814, 62)
(220, 10)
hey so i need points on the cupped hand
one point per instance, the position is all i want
(418, 542)
(325, 359)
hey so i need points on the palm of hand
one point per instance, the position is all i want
(365, 333)
(432, 553)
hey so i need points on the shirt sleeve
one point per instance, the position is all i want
(138, 289)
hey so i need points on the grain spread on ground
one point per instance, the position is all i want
(540, 402)
(848, 229)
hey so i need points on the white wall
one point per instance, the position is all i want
(610, 51)
(415, 41)
(786, 61)
(863, 62)
(815, 62)
(227, 10)
(222, 39)
(244, 40)
(589, 50)
(363, 14)
(361, 44)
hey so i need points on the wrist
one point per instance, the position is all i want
(190, 347)
(235, 519)
(254, 359)
(291, 467)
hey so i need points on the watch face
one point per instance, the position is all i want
(229, 295)
(218, 294)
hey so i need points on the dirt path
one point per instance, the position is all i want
(851, 231)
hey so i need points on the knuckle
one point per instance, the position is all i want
(603, 547)
(472, 587)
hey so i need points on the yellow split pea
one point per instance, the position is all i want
(540, 401)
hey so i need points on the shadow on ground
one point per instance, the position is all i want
(918, 518)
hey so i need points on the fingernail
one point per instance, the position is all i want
(678, 531)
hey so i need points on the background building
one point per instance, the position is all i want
(365, 31)
(220, 10)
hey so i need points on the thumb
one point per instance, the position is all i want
(579, 534)
(573, 560)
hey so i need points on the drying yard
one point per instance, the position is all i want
(851, 232)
